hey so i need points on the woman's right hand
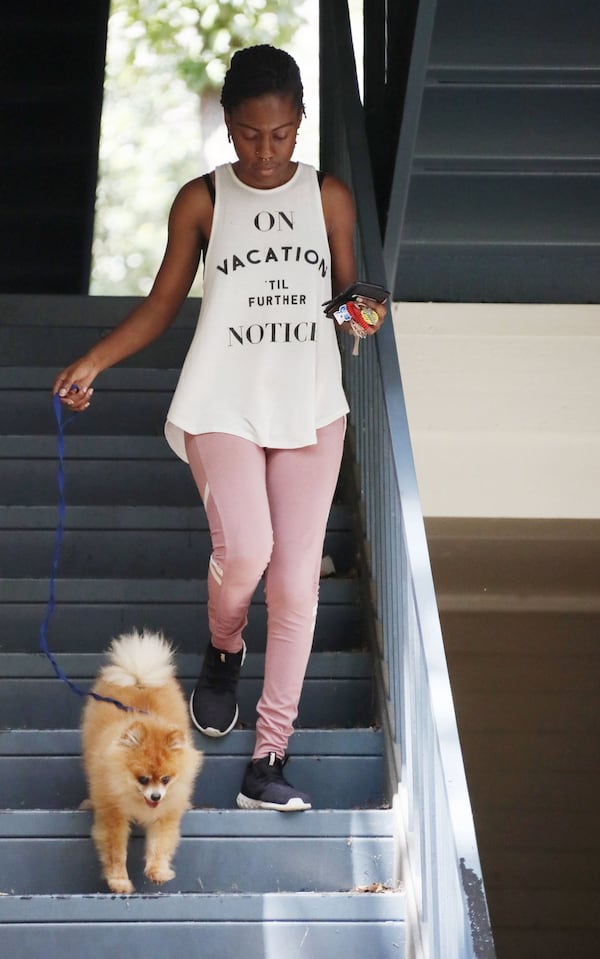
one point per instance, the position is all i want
(74, 384)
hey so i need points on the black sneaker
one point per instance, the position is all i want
(213, 704)
(264, 787)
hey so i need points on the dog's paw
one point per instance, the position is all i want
(86, 805)
(121, 885)
(159, 872)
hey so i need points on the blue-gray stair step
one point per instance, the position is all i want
(173, 553)
(366, 741)
(255, 940)
(89, 612)
(117, 516)
(113, 412)
(88, 626)
(341, 769)
(311, 939)
(339, 702)
(221, 851)
(337, 690)
(108, 470)
(84, 666)
(107, 590)
(47, 331)
(333, 782)
(126, 402)
(56, 311)
(351, 907)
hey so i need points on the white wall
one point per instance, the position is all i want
(504, 407)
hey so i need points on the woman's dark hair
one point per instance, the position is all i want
(258, 70)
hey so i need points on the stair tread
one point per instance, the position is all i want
(160, 591)
(39, 379)
(356, 741)
(84, 666)
(241, 863)
(105, 516)
(60, 310)
(93, 447)
(354, 906)
(55, 783)
(217, 823)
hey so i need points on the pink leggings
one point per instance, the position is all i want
(267, 508)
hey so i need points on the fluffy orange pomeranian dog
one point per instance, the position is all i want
(140, 765)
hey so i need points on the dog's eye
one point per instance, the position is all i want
(165, 780)
(143, 780)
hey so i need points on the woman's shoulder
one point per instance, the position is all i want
(196, 195)
(332, 184)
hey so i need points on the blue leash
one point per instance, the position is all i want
(62, 508)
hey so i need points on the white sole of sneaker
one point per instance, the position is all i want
(293, 805)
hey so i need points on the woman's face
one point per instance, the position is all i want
(263, 130)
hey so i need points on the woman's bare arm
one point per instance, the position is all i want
(190, 222)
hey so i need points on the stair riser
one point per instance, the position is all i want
(136, 552)
(111, 413)
(333, 782)
(241, 865)
(307, 939)
(156, 482)
(89, 627)
(53, 348)
(41, 704)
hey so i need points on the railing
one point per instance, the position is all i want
(438, 857)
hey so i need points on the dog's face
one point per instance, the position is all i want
(152, 757)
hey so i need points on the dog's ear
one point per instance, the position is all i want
(133, 736)
(176, 738)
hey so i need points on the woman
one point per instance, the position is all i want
(259, 412)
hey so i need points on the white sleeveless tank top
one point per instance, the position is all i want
(264, 362)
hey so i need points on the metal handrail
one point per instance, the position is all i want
(439, 860)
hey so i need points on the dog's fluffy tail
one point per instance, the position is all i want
(139, 659)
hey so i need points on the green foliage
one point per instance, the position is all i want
(201, 36)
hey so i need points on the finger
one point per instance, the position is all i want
(77, 398)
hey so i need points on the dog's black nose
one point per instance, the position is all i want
(156, 797)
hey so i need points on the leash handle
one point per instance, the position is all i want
(58, 537)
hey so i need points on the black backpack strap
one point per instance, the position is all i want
(210, 187)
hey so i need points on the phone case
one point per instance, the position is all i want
(372, 291)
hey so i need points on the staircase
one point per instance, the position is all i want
(135, 554)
